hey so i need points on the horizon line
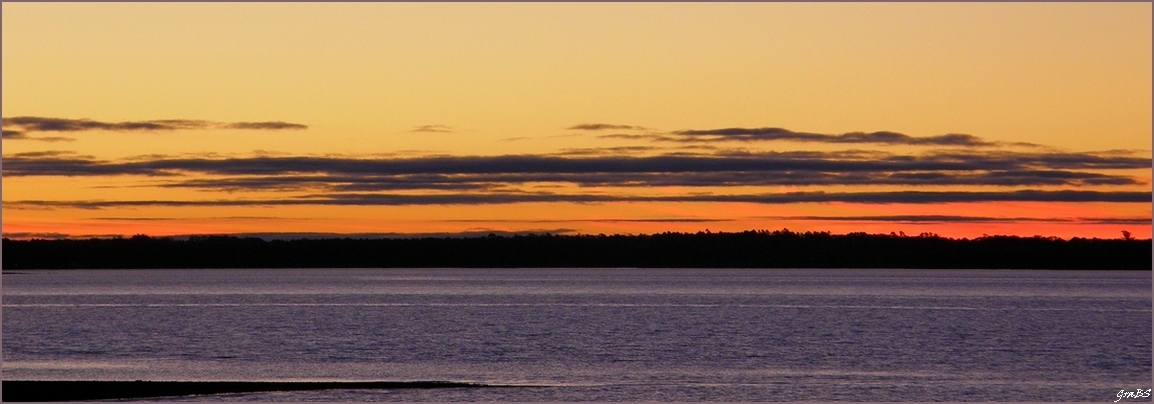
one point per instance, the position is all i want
(289, 236)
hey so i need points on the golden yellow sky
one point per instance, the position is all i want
(1037, 86)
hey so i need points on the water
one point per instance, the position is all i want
(594, 334)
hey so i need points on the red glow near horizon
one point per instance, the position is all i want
(1065, 230)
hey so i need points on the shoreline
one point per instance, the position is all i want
(76, 390)
(750, 249)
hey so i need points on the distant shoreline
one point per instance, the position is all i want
(750, 249)
(74, 390)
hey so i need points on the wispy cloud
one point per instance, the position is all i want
(768, 134)
(46, 154)
(186, 219)
(605, 126)
(41, 124)
(52, 236)
(433, 129)
(646, 136)
(375, 199)
(342, 183)
(602, 151)
(18, 135)
(350, 183)
(275, 125)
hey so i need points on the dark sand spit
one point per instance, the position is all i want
(749, 249)
(68, 390)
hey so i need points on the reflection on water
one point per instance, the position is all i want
(67, 365)
(594, 334)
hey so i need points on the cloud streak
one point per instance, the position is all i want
(898, 197)
(616, 175)
(771, 134)
(517, 172)
(433, 129)
(779, 163)
(355, 183)
(42, 124)
(18, 135)
(273, 125)
(604, 126)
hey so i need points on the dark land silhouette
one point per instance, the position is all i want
(69, 390)
(749, 249)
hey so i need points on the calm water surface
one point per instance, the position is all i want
(594, 334)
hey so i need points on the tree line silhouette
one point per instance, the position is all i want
(748, 249)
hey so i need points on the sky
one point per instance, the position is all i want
(958, 119)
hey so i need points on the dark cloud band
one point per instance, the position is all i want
(508, 172)
(900, 197)
(784, 163)
(475, 182)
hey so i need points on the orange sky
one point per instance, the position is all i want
(412, 118)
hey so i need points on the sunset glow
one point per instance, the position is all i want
(957, 119)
